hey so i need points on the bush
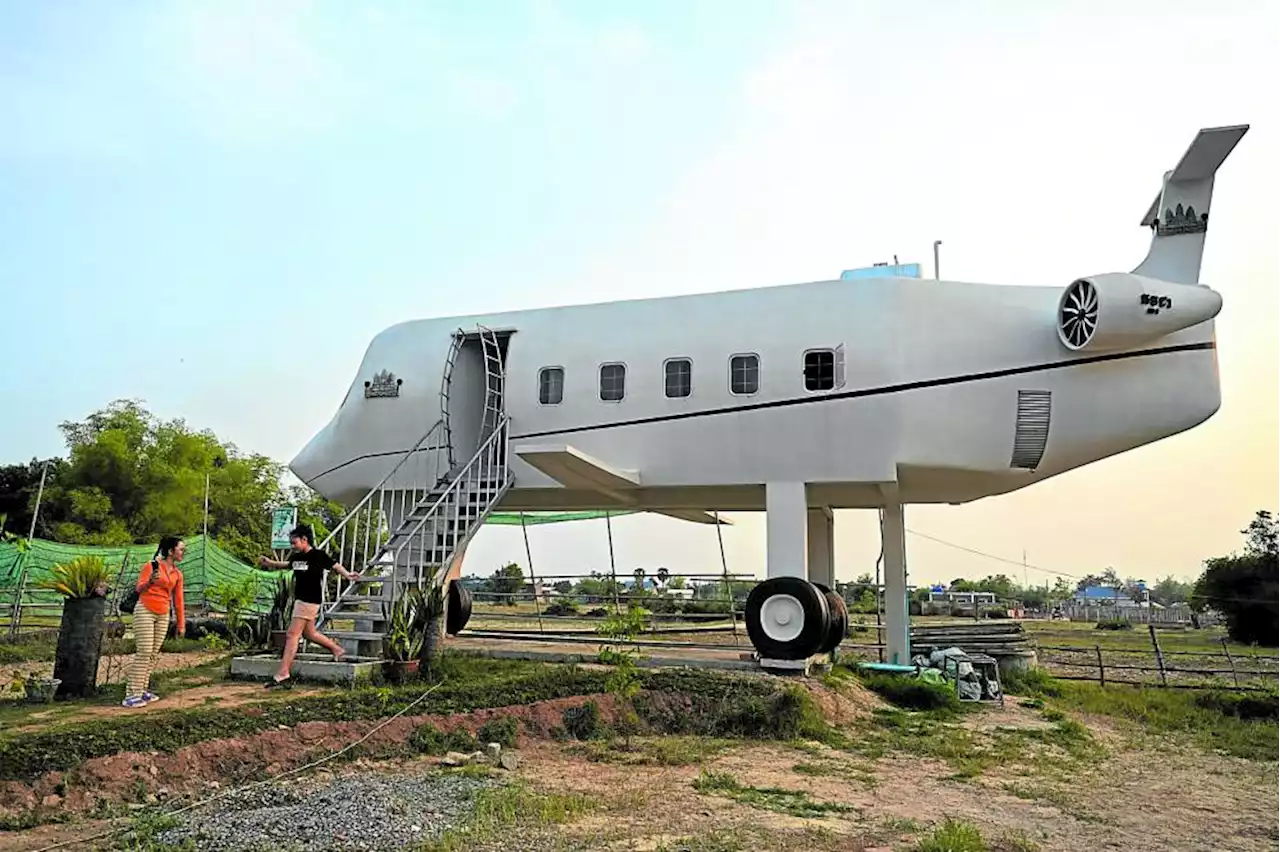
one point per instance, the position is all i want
(428, 739)
(561, 608)
(1240, 705)
(1114, 624)
(911, 693)
(1033, 683)
(996, 612)
(583, 722)
(499, 729)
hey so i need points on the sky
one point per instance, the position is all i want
(215, 206)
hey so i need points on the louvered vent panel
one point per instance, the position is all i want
(1031, 432)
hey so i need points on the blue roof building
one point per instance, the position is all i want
(1104, 594)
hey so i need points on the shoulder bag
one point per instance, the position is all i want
(129, 600)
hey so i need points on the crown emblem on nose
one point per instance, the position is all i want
(383, 385)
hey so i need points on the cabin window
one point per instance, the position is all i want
(613, 382)
(820, 370)
(677, 378)
(744, 374)
(551, 385)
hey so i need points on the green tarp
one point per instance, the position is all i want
(203, 567)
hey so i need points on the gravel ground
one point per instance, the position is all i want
(369, 812)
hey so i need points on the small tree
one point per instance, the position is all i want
(624, 681)
(507, 582)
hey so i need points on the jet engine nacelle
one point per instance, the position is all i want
(1118, 310)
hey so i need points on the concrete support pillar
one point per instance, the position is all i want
(897, 635)
(786, 539)
(821, 549)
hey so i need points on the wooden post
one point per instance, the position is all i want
(1227, 651)
(1102, 672)
(1159, 656)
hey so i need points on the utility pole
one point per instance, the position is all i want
(15, 617)
(936, 243)
(44, 471)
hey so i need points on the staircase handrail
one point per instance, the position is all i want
(347, 517)
(499, 430)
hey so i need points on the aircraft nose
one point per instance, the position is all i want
(310, 462)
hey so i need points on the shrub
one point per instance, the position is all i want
(1240, 705)
(1033, 683)
(996, 612)
(428, 739)
(583, 722)
(1114, 624)
(561, 608)
(912, 693)
(499, 729)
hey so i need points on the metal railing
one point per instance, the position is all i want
(436, 525)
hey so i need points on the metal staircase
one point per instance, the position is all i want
(436, 506)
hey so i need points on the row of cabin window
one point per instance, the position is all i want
(677, 377)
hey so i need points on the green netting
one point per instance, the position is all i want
(205, 565)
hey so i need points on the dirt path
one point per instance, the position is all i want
(1137, 800)
(115, 669)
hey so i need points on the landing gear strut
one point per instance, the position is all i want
(792, 619)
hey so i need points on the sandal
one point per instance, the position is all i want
(287, 683)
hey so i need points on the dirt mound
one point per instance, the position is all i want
(196, 770)
(848, 702)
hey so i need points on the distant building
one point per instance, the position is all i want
(965, 598)
(1109, 596)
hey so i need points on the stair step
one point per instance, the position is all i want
(369, 635)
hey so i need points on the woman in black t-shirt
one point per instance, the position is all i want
(309, 565)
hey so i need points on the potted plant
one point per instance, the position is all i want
(39, 690)
(278, 618)
(430, 612)
(403, 640)
(83, 584)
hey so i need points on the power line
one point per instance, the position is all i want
(1019, 563)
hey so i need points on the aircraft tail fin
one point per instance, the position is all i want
(1179, 217)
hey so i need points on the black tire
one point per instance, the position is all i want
(459, 608)
(838, 625)
(812, 631)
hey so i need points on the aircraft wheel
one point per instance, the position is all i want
(458, 612)
(838, 625)
(787, 618)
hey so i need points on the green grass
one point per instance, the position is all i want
(508, 810)
(795, 803)
(970, 753)
(907, 692)
(678, 702)
(1178, 712)
(953, 836)
(838, 769)
(654, 751)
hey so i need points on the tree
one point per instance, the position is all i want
(130, 477)
(675, 583)
(507, 581)
(1244, 587)
(1107, 578)
(1170, 591)
(19, 484)
(1061, 590)
(563, 587)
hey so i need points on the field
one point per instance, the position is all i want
(706, 763)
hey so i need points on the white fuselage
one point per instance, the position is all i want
(929, 399)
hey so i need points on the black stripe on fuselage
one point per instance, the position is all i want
(832, 397)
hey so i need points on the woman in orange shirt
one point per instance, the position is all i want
(159, 581)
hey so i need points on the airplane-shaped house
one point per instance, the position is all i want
(795, 400)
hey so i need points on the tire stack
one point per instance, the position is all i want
(792, 619)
